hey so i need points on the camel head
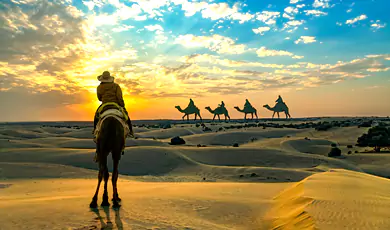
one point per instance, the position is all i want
(236, 107)
(208, 107)
(266, 106)
(178, 107)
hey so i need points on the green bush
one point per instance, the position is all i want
(377, 137)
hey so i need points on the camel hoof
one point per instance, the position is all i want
(105, 204)
(116, 204)
(118, 199)
(93, 204)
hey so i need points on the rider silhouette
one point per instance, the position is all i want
(191, 104)
(247, 104)
(222, 105)
(279, 100)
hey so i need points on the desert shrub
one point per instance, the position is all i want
(177, 141)
(377, 137)
(365, 124)
(334, 152)
(324, 126)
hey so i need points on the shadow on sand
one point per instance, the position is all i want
(105, 222)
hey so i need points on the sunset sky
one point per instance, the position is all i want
(325, 57)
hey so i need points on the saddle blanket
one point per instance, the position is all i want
(115, 114)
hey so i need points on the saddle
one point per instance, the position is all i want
(112, 106)
(112, 110)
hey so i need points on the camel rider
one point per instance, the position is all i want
(191, 104)
(279, 100)
(247, 104)
(109, 92)
(222, 105)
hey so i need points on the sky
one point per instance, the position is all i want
(324, 57)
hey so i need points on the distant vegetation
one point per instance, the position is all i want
(377, 137)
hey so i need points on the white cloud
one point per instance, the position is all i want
(89, 4)
(301, 6)
(291, 10)
(268, 17)
(377, 25)
(264, 52)
(339, 23)
(358, 18)
(261, 30)
(241, 18)
(298, 57)
(122, 28)
(294, 1)
(154, 28)
(316, 13)
(295, 23)
(192, 8)
(287, 38)
(213, 11)
(349, 10)
(217, 43)
(306, 40)
(321, 3)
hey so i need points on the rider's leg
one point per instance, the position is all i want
(128, 122)
(96, 118)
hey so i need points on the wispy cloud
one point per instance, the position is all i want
(261, 30)
(354, 20)
(217, 43)
(306, 40)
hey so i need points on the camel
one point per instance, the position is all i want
(219, 111)
(189, 110)
(279, 107)
(250, 110)
(111, 139)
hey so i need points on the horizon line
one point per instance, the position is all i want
(208, 119)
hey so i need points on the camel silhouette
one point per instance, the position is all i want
(219, 111)
(248, 110)
(189, 110)
(279, 107)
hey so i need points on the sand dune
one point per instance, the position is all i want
(337, 199)
(278, 178)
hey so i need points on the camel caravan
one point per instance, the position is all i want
(279, 107)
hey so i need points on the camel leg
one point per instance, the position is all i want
(256, 115)
(273, 115)
(188, 117)
(114, 178)
(106, 177)
(195, 116)
(278, 115)
(214, 117)
(219, 118)
(93, 203)
(245, 117)
(252, 115)
(184, 117)
(201, 120)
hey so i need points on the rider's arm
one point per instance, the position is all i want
(119, 96)
(99, 93)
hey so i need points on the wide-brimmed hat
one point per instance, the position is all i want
(106, 77)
